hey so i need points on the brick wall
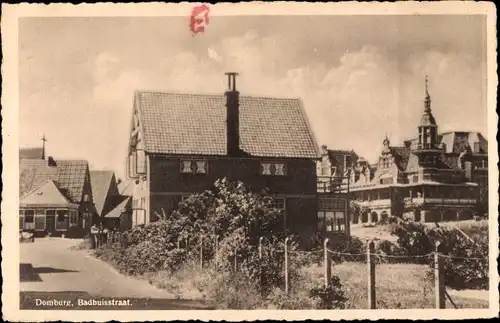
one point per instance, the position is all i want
(298, 187)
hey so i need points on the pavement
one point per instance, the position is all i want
(50, 266)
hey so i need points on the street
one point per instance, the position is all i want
(50, 266)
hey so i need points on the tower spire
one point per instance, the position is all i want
(427, 96)
(43, 146)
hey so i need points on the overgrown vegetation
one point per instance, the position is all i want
(231, 220)
(465, 258)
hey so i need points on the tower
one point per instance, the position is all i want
(428, 129)
(427, 146)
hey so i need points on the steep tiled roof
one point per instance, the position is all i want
(31, 153)
(69, 175)
(100, 181)
(196, 124)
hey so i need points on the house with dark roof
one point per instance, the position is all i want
(55, 195)
(182, 143)
(112, 208)
(435, 177)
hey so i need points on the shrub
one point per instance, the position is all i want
(465, 261)
(330, 297)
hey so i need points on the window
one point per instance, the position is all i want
(265, 169)
(330, 221)
(39, 219)
(201, 167)
(62, 219)
(73, 217)
(29, 216)
(415, 178)
(21, 219)
(331, 203)
(194, 166)
(276, 169)
(278, 203)
(186, 166)
(279, 169)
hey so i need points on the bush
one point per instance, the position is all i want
(465, 261)
(330, 297)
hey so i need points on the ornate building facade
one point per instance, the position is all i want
(434, 177)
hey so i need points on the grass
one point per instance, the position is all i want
(398, 286)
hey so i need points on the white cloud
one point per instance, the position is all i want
(350, 105)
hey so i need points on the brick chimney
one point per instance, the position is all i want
(233, 116)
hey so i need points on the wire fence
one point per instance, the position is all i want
(326, 259)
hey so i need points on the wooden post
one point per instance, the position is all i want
(260, 266)
(327, 264)
(260, 247)
(216, 251)
(178, 243)
(201, 252)
(286, 265)
(439, 286)
(370, 251)
(235, 261)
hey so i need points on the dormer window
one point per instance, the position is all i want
(270, 169)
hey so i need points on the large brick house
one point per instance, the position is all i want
(435, 177)
(182, 143)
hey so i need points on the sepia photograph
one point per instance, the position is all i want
(204, 158)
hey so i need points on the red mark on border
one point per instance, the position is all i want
(199, 19)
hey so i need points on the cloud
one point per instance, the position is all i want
(351, 104)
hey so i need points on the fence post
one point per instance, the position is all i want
(260, 266)
(216, 251)
(235, 261)
(179, 243)
(370, 260)
(201, 252)
(439, 286)
(286, 265)
(327, 264)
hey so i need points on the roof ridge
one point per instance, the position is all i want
(217, 95)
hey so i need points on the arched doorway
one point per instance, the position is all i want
(384, 216)
(374, 217)
(364, 217)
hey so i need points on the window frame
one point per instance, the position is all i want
(65, 221)
(205, 162)
(272, 170)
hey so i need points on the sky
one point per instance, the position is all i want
(359, 77)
